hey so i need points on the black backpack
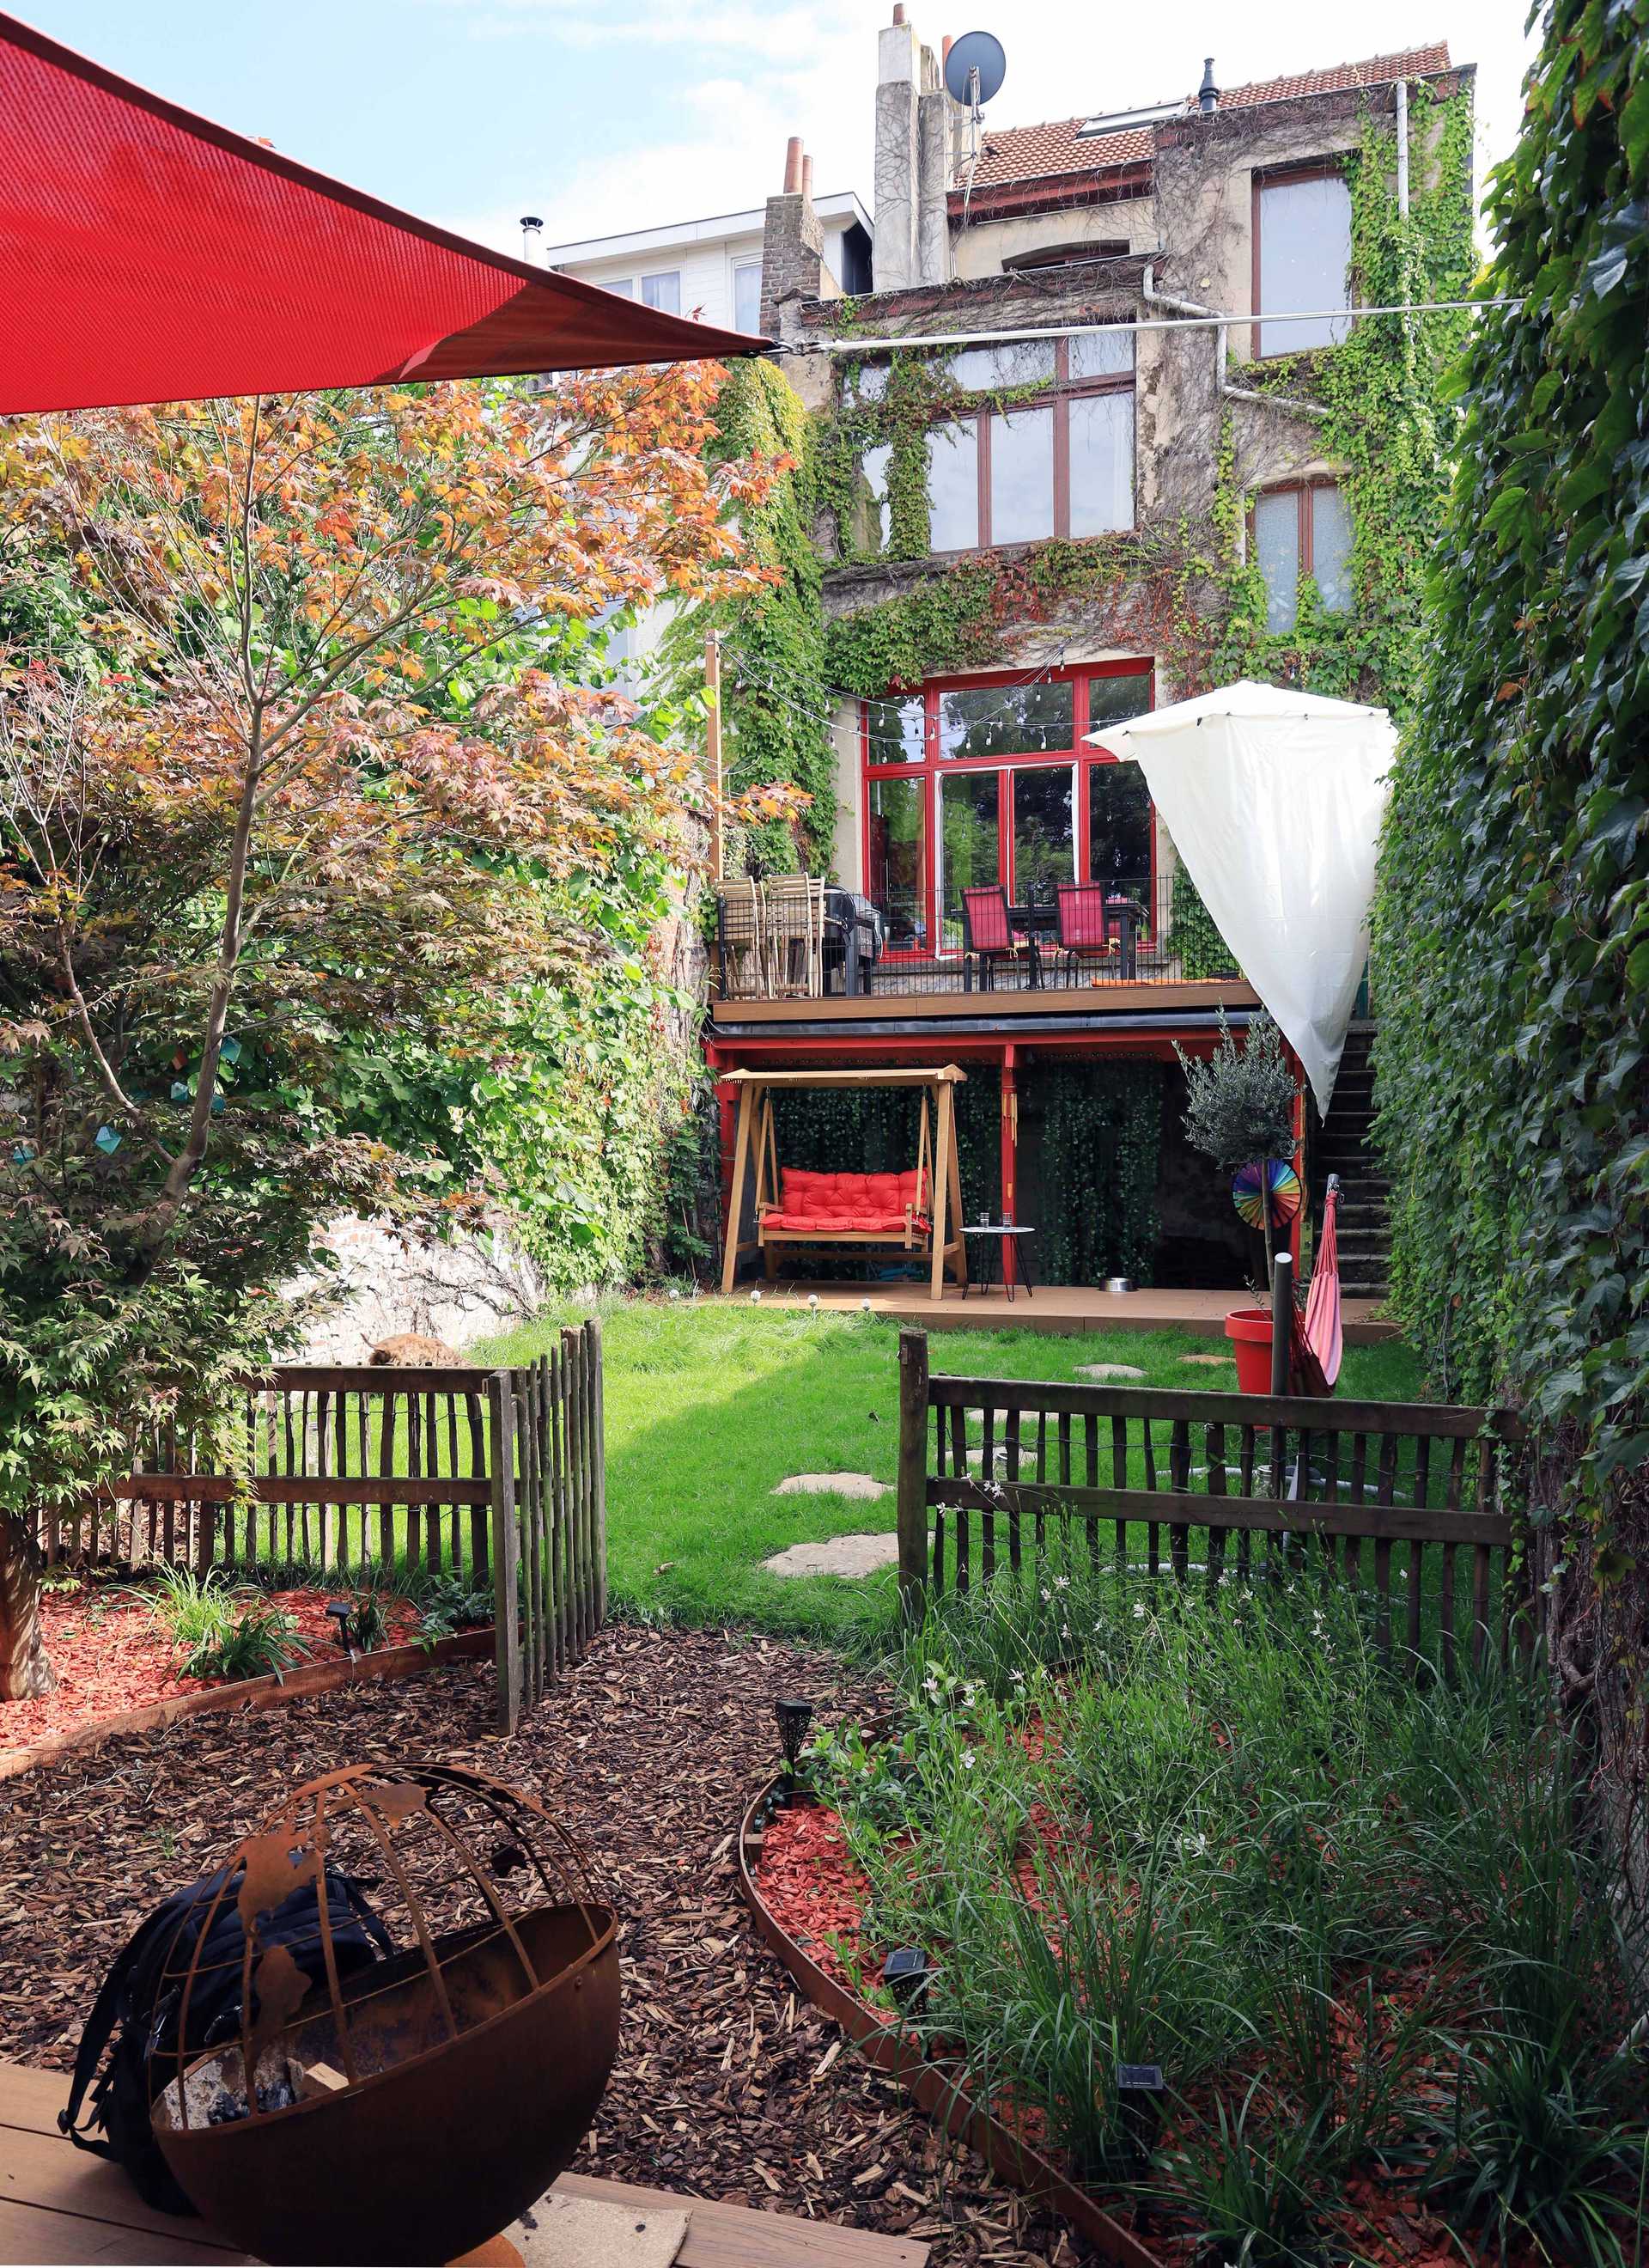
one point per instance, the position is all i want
(143, 2019)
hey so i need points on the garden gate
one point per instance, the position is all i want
(496, 1478)
(1321, 1480)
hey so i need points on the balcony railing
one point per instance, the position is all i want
(793, 939)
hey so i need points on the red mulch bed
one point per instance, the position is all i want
(728, 2084)
(111, 1655)
(811, 1884)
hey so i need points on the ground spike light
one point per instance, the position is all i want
(794, 1718)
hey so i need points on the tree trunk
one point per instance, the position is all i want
(25, 1670)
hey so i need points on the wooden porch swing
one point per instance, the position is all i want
(917, 1211)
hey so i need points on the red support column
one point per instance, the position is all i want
(725, 1125)
(1009, 1158)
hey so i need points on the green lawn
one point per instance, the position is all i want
(709, 1406)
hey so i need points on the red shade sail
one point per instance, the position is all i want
(147, 255)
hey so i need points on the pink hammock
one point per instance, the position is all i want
(1317, 1342)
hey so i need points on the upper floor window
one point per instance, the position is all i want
(624, 285)
(746, 296)
(662, 291)
(1302, 257)
(1059, 464)
(1304, 529)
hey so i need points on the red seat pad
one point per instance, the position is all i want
(873, 1203)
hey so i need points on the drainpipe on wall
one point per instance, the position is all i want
(1153, 298)
(1402, 147)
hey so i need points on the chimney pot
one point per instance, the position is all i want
(1208, 94)
(807, 177)
(792, 165)
(899, 11)
(945, 51)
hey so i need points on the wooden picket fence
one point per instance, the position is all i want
(497, 1477)
(1400, 1501)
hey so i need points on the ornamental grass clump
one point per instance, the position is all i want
(1338, 1903)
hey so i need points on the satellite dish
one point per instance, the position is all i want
(974, 69)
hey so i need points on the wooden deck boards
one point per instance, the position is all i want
(1061, 1308)
(59, 2207)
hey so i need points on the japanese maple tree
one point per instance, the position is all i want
(310, 757)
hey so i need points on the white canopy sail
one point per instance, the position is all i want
(1275, 800)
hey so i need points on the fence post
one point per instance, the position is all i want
(913, 1473)
(505, 1545)
(598, 1459)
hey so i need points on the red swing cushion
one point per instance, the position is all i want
(827, 1203)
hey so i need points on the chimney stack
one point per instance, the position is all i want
(807, 177)
(913, 162)
(792, 166)
(1208, 94)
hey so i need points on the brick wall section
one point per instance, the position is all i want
(793, 258)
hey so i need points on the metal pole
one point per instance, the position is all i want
(712, 697)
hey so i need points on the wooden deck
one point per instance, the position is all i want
(60, 2207)
(1059, 1307)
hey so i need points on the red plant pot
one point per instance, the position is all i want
(1249, 1331)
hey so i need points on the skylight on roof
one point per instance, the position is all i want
(1118, 121)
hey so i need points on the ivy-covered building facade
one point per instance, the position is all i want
(1109, 430)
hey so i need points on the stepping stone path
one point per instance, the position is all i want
(837, 1555)
(853, 1485)
(1109, 1370)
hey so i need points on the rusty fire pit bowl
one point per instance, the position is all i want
(412, 2102)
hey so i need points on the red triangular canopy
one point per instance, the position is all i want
(147, 255)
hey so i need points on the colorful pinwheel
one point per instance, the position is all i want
(1269, 1182)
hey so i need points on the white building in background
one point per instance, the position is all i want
(711, 269)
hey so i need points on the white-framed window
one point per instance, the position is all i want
(662, 291)
(746, 295)
(624, 286)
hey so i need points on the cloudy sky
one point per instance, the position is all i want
(607, 114)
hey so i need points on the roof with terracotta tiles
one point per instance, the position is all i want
(1029, 153)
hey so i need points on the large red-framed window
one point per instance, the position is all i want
(989, 779)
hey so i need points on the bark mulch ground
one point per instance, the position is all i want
(726, 2086)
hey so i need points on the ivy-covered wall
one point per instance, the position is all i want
(1389, 431)
(773, 698)
(1513, 922)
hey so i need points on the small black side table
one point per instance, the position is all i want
(992, 1238)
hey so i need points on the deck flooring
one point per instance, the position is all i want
(61, 2209)
(1060, 1307)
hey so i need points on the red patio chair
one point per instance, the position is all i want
(989, 935)
(1084, 925)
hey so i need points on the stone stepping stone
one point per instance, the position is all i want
(1109, 1370)
(1209, 1361)
(837, 1555)
(852, 1484)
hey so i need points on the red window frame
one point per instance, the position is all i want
(1060, 391)
(1305, 522)
(1276, 177)
(932, 767)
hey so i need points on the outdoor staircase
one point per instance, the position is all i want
(1345, 1145)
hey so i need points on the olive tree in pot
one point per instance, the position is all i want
(1242, 1102)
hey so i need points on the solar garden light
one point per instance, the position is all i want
(794, 1717)
(905, 1973)
(340, 1613)
(1139, 2105)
